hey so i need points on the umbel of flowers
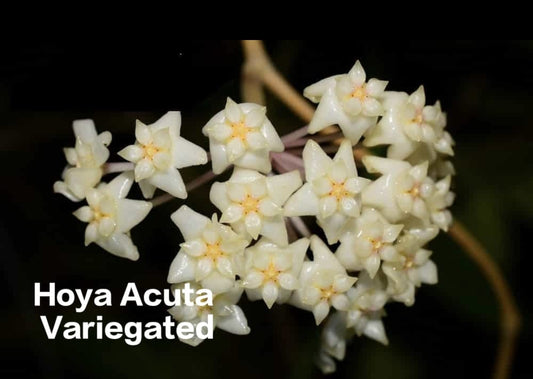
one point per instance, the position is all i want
(258, 245)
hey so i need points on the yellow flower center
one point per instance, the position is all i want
(415, 191)
(409, 263)
(271, 273)
(338, 190)
(214, 252)
(239, 130)
(204, 309)
(359, 93)
(150, 150)
(376, 244)
(98, 214)
(250, 204)
(328, 292)
(418, 118)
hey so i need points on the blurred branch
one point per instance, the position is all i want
(192, 185)
(251, 84)
(509, 313)
(259, 71)
(258, 68)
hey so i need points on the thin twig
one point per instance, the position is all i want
(510, 316)
(162, 199)
(193, 184)
(200, 180)
(291, 232)
(318, 139)
(300, 226)
(112, 167)
(280, 165)
(294, 136)
(251, 85)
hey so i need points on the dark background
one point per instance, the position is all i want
(452, 329)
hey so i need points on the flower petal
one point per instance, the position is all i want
(232, 214)
(143, 133)
(233, 111)
(106, 226)
(182, 268)
(357, 74)
(253, 280)
(253, 223)
(255, 117)
(321, 311)
(288, 281)
(170, 181)
(84, 214)
(203, 268)
(195, 248)
(268, 208)
(327, 206)
(270, 293)
(162, 160)
(144, 169)
(91, 233)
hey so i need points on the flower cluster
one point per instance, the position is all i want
(395, 214)
(158, 152)
(369, 241)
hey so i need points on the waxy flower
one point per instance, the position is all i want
(85, 161)
(332, 189)
(111, 216)
(227, 315)
(253, 203)
(439, 164)
(408, 124)
(210, 253)
(159, 152)
(363, 317)
(348, 101)
(414, 268)
(241, 135)
(440, 168)
(271, 272)
(402, 190)
(370, 242)
(323, 283)
(333, 342)
(367, 299)
(438, 203)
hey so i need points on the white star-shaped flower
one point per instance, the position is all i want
(227, 315)
(367, 299)
(271, 272)
(415, 266)
(85, 161)
(348, 101)
(332, 189)
(408, 124)
(111, 216)
(438, 203)
(210, 254)
(402, 190)
(253, 203)
(159, 152)
(242, 135)
(370, 242)
(323, 283)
